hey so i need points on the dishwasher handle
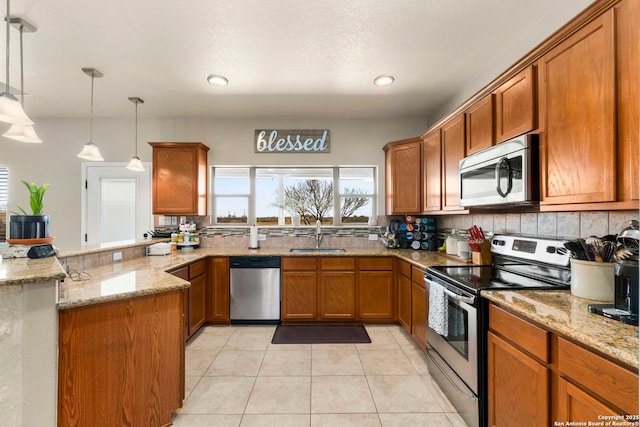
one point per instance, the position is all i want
(254, 262)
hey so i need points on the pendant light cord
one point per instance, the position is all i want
(136, 128)
(8, 18)
(21, 68)
(91, 120)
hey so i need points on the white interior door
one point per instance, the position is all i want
(117, 204)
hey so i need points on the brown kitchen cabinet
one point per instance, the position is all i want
(196, 295)
(479, 121)
(517, 354)
(299, 288)
(404, 295)
(432, 172)
(515, 106)
(217, 296)
(122, 362)
(419, 308)
(564, 380)
(403, 185)
(337, 288)
(453, 150)
(376, 290)
(180, 178)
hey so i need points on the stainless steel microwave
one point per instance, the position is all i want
(505, 174)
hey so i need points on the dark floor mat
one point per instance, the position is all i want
(320, 334)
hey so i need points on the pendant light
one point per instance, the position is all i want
(10, 109)
(135, 164)
(22, 133)
(90, 150)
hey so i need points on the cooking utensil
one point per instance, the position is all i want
(608, 249)
(625, 253)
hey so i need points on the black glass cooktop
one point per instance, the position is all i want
(477, 278)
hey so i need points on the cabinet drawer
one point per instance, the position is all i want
(529, 337)
(338, 263)
(298, 263)
(376, 263)
(197, 268)
(600, 376)
(404, 268)
(417, 276)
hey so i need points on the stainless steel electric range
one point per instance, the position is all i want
(458, 315)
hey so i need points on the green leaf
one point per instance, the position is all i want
(36, 197)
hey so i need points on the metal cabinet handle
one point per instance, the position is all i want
(503, 164)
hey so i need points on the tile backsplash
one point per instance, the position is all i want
(550, 224)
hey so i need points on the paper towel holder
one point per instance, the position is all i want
(253, 237)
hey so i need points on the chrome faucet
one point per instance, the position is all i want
(318, 234)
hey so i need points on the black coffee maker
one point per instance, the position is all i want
(627, 286)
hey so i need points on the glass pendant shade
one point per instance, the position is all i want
(11, 111)
(135, 164)
(22, 133)
(90, 152)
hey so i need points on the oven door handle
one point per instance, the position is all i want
(468, 300)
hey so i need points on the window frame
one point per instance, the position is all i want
(251, 209)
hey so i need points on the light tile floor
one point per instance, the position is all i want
(235, 377)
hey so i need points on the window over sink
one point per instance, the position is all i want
(285, 195)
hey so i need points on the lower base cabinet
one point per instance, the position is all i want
(217, 293)
(121, 363)
(418, 308)
(529, 383)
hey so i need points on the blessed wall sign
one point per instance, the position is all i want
(292, 141)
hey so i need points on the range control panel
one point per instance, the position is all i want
(550, 251)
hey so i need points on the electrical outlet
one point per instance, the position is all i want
(183, 220)
(117, 256)
(373, 237)
(262, 236)
(174, 220)
(161, 220)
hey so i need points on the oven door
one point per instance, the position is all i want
(497, 175)
(457, 344)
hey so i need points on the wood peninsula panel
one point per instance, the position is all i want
(217, 297)
(121, 363)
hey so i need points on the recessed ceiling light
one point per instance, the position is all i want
(384, 80)
(217, 80)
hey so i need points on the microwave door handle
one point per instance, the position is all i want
(468, 300)
(503, 164)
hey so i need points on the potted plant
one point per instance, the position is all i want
(34, 225)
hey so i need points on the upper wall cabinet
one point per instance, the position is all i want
(453, 150)
(479, 123)
(588, 104)
(180, 183)
(432, 172)
(403, 176)
(515, 106)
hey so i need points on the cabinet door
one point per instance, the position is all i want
(404, 302)
(432, 172)
(419, 315)
(337, 295)
(578, 117)
(515, 106)
(518, 386)
(479, 122)
(576, 404)
(298, 295)
(180, 178)
(375, 295)
(218, 291)
(196, 303)
(183, 273)
(404, 177)
(627, 18)
(453, 150)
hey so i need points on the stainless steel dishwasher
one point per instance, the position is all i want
(255, 289)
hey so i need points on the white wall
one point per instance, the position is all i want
(353, 142)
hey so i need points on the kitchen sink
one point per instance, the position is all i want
(321, 250)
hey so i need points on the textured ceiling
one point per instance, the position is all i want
(284, 58)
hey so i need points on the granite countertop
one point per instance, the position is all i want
(568, 315)
(20, 271)
(146, 275)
